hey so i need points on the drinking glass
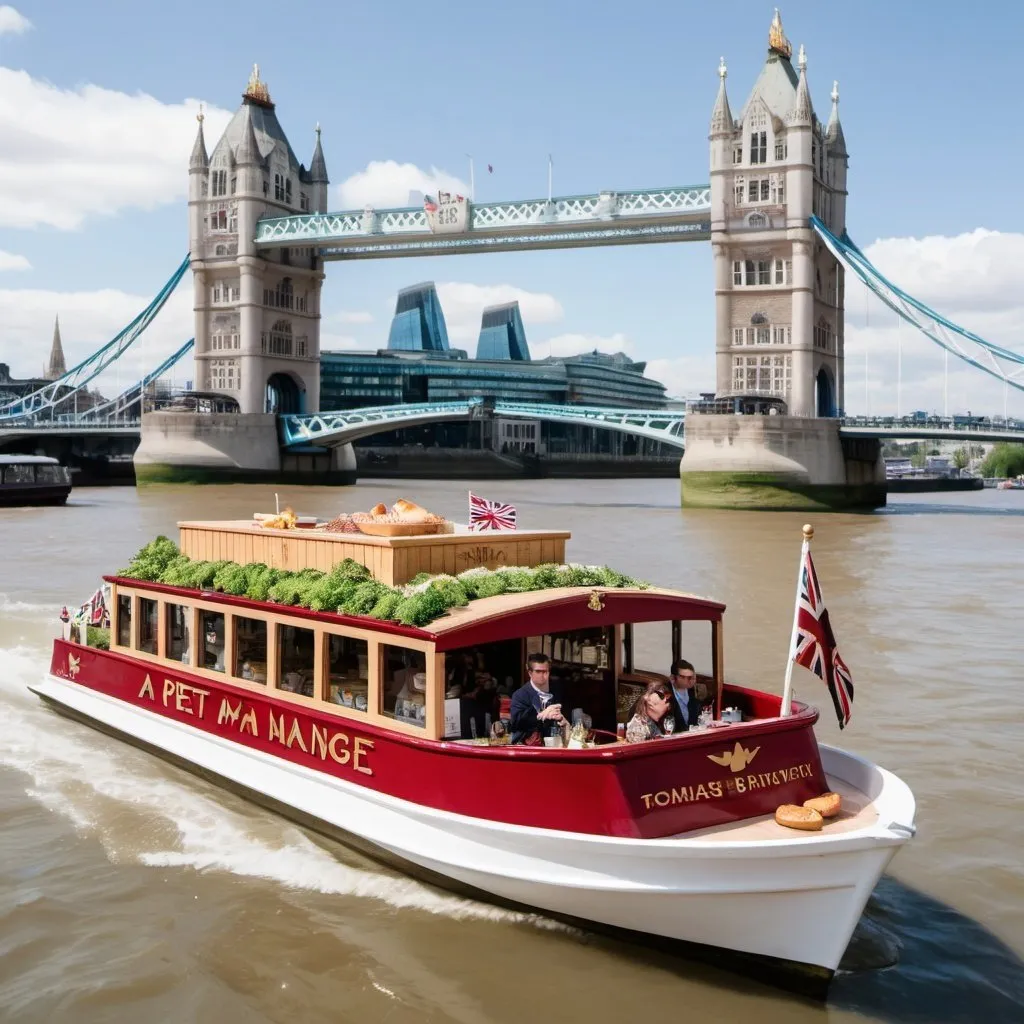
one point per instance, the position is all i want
(669, 725)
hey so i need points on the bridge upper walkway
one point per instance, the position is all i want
(673, 214)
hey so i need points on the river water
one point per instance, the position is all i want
(131, 891)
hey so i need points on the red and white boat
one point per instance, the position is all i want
(342, 722)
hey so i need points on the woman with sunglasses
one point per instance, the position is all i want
(649, 714)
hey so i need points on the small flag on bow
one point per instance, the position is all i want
(814, 644)
(490, 515)
(429, 205)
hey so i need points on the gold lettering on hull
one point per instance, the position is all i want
(290, 731)
(715, 789)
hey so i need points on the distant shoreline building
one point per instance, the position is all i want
(419, 366)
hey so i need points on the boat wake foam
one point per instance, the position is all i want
(143, 811)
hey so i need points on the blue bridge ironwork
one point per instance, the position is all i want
(675, 214)
(334, 428)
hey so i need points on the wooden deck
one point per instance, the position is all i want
(858, 812)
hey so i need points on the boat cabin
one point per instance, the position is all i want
(33, 480)
(448, 680)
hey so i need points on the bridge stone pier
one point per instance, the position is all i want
(779, 299)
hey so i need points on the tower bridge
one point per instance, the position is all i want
(774, 210)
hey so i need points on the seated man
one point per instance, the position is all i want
(536, 712)
(686, 706)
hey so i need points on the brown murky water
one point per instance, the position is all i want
(130, 891)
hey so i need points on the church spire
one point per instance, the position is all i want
(56, 367)
(199, 161)
(834, 132)
(721, 116)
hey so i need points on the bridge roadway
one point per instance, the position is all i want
(674, 214)
(666, 426)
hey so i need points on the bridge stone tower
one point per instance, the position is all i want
(257, 313)
(778, 290)
(779, 297)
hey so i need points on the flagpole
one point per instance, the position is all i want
(787, 689)
(549, 177)
(472, 183)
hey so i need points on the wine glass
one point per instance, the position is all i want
(669, 725)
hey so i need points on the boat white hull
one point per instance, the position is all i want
(795, 899)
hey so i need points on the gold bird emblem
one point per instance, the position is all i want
(595, 604)
(736, 759)
(73, 664)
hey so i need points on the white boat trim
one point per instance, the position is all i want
(733, 894)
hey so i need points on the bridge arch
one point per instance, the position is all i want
(285, 394)
(825, 393)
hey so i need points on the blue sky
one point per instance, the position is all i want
(620, 96)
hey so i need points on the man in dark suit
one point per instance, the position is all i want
(535, 709)
(685, 707)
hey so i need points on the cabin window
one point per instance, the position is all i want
(479, 682)
(250, 649)
(18, 475)
(403, 692)
(124, 620)
(178, 638)
(148, 625)
(49, 475)
(348, 670)
(212, 629)
(295, 647)
(583, 666)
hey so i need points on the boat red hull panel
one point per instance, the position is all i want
(642, 791)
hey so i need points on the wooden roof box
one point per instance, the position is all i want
(392, 560)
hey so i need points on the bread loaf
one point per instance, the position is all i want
(827, 805)
(804, 818)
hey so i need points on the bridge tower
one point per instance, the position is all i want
(257, 314)
(778, 290)
(779, 296)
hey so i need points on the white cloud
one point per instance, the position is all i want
(577, 344)
(343, 342)
(976, 280)
(87, 321)
(684, 376)
(387, 183)
(350, 316)
(12, 261)
(13, 22)
(69, 154)
(463, 303)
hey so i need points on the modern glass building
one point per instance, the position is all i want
(418, 324)
(501, 334)
(419, 366)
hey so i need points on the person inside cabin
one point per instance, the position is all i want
(536, 711)
(649, 713)
(685, 703)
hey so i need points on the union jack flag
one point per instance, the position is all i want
(490, 515)
(815, 644)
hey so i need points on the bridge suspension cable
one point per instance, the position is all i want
(130, 396)
(1002, 363)
(59, 391)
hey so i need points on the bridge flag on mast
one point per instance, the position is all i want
(813, 644)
